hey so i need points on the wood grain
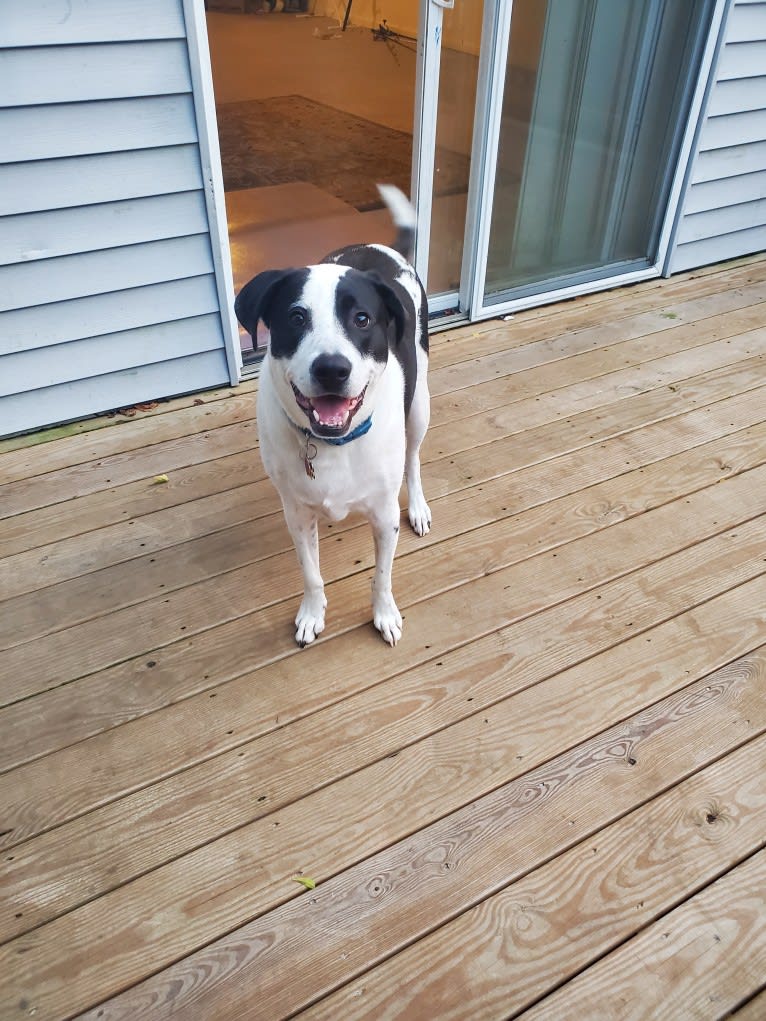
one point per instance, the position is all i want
(96, 644)
(543, 929)
(114, 844)
(697, 961)
(63, 716)
(564, 752)
(45, 612)
(402, 891)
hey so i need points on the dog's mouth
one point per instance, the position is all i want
(329, 414)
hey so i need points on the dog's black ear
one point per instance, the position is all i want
(393, 305)
(253, 301)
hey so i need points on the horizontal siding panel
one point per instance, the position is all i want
(730, 246)
(747, 21)
(110, 125)
(99, 356)
(729, 162)
(76, 276)
(44, 325)
(89, 228)
(734, 129)
(714, 223)
(84, 397)
(729, 190)
(738, 95)
(62, 74)
(742, 60)
(87, 180)
(51, 22)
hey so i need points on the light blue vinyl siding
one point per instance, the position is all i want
(108, 292)
(724, 208)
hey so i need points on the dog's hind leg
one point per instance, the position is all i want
(302, 524)
(418, 418)
(385, 530)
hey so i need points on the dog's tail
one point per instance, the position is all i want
(404, 217)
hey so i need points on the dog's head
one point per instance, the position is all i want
(331, 331)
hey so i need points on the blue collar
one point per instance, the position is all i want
(339, 441)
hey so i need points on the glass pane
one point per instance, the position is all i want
(594, 93)
(461, 37)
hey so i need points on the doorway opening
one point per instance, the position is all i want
(310, 117)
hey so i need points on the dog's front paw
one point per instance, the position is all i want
(310, 620)
(419, 514)
(387, 619)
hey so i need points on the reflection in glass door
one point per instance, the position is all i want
(595, 97)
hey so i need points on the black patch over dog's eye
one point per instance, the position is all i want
(297, 317)
(362, 320)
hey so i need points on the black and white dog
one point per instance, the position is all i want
(343, 401)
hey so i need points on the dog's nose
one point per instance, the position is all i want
(331, 371)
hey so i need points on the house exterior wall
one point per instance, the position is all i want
(723, 209)
(108, 287)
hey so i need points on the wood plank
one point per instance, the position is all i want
(39, 22)
(529, 385)
(66, 483)
(711, 223)
(526, 940)
(742, 60)
(49, 565)
(61, 657)
(687, 964)
(63, 716)
(36, 75)
(106, 177)
(48, 611)
(714, 194)
(723, 163)
(44, 793)
(510, 360)
(754, 1009)
(58, 232)
(136, 465)
(586, 312)
(735, 95)
(225, 652)
(27, 371)
(112, 390)
(101, 850)
(93, 424)
(116, 269)
(488, 843)
(109, 125)
(64, 321)
(697, 253)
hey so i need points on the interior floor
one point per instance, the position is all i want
(309, 119)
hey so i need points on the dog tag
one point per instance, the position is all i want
(308, 458)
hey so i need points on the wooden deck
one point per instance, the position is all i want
(547, 801)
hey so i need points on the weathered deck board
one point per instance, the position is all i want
(541, 930)
(389, 898)
(65, 715)
(46, 611)
(560, 762)
(49, 565)
(696, 958)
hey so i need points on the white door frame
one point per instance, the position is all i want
(486, 136)
(212, 178)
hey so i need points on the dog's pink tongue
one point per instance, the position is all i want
(332, 410)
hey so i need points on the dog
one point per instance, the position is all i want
(343, 402)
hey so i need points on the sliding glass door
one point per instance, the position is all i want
(581, 108)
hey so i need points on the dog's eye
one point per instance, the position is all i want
(362, 320)
(296, 317)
